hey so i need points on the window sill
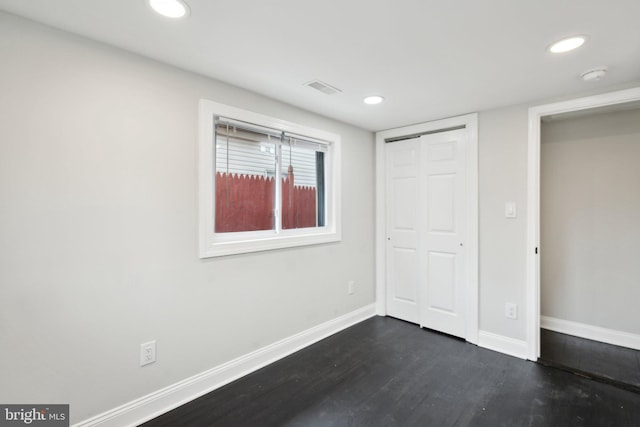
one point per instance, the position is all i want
(221, 248)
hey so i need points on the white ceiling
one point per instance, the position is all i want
(429, 59)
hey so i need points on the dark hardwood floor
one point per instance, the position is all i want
(385, 372)
(603, 362)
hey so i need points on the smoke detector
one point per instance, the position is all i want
(323, 87)
(594, 74)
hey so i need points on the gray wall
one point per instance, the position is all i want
(98, 229)
(590, 208)
(502, 169)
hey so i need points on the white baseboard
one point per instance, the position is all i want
(596, 333)
(161, 401)
(502, 344)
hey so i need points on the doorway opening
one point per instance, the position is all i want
(583, 210)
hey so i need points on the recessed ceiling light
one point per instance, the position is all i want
(565, 45)
(374, 99)
(170, 8)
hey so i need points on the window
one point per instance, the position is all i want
(264, 183)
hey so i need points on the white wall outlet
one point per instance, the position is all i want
(351, 287)
(147, 353)
(511, 310)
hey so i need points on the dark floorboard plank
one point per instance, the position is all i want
(605, 362)
(385, 372)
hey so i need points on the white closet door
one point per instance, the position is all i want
(426, 230)
(443, 226)
(403, 187)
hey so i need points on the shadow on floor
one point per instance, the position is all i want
(619, 366)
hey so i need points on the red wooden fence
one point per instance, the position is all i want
(245, 203)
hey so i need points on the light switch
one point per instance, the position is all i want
(510, 210)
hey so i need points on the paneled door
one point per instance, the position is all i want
(403, 186)
(443, 167)
(426, 230)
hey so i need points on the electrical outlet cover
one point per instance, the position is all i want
(351, 287)
(147, 353)
(511, 310)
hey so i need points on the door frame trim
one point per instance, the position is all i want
(470, 122)
(533, 197)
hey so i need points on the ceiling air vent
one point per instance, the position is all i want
(323, 87)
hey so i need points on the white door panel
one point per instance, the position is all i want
(441, 203)
(403, 203)
(441, 276)
(443, 169)
(402, 230)
(426, 230)
(406, 285)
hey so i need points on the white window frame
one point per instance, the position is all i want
(214, 244)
